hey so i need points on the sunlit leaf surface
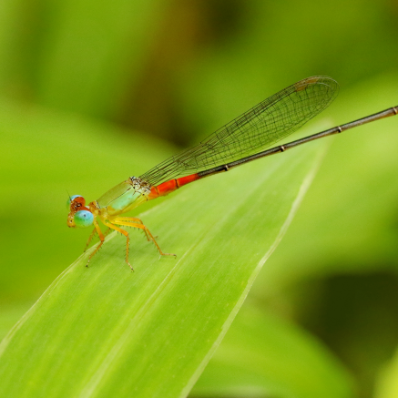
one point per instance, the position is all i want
(106, 331)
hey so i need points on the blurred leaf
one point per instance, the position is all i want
(264, 356)
(93, 52)
(387, 384)
(107, 331)
(76, 55)
(260, 56)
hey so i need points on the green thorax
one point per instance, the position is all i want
(123, 197)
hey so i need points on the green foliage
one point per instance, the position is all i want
(387, 386)
(180, 70)
(261, 355)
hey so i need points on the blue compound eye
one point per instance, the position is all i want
(83, 218)
(70, 199)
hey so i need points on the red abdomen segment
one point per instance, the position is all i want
(169, 186)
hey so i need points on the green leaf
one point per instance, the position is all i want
(262, 355)
(106, 331)
(74, 55)
(10, 314)
(387, 386)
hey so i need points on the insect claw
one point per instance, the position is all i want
(169, 254)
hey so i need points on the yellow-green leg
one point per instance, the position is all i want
(101, 237)
(129, 222)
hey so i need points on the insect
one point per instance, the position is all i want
(242, 140)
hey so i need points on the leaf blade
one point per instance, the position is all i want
(104, 330)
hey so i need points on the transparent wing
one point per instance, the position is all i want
(267, 123)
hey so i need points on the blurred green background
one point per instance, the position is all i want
(92, 92)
